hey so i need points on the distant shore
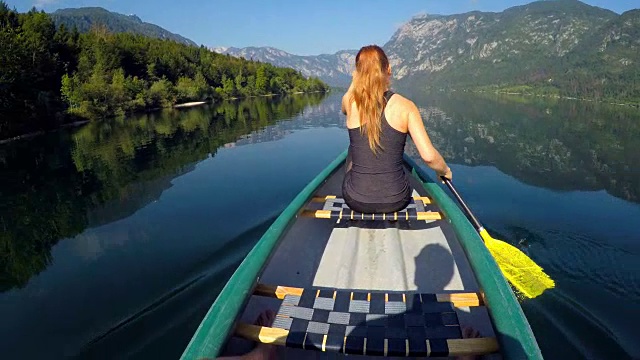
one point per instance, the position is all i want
(176, 106)
(549, 96)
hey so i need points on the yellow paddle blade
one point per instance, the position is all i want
(524, 274)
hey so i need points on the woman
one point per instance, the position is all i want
(378, 121)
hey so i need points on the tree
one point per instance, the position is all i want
(240, 82)
(160, 94)
(228, 88)
(262, 81)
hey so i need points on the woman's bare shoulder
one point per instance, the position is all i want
(347, 95)
(401, 103)
(347, 101)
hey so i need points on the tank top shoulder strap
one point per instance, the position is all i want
(387, 95)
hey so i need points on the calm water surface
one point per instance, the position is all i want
(116, 237)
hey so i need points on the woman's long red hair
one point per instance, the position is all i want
(370, 81)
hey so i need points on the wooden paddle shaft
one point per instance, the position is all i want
(475, 221)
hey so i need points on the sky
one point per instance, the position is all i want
(302, 27)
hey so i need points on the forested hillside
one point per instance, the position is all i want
(49, 73)
(87, 17)
(608, 65)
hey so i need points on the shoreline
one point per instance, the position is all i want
(633, 105)
(176, 106)
(83, 122)
(42, 132)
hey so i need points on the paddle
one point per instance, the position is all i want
(524, 274)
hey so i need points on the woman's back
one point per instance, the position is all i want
(378, 124)
(376, 182)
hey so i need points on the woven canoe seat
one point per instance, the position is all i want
(362, 322)
(336, 208)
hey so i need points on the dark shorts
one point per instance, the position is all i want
(371, 208)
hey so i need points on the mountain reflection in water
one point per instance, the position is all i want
(556, 144)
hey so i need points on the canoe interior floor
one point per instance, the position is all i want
(422, 256)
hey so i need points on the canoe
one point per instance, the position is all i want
(398, 285)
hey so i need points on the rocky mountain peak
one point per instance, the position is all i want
(334, 69)
(553, 28)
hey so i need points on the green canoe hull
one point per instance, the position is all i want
(511, 327)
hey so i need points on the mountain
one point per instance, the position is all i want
(476, 47)
(85, 18)
(552, 47)
(334, 69)
(561, 47)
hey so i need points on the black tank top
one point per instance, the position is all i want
(377, 178)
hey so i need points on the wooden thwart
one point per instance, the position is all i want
(457, 347)
(476, 346)
(265, 335)
(457, 299)
(275, 291)
(349, 214)
(318, 214)
(321, 199)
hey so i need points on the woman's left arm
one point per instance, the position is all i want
(346, 99)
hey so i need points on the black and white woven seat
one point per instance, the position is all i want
(335, 208)
(378, 323)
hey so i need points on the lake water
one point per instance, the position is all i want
(117, 236)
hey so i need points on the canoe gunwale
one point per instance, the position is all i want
(511, 326)
(214, 329)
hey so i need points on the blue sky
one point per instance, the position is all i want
(304, 27)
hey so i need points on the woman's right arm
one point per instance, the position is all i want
(427, 151)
